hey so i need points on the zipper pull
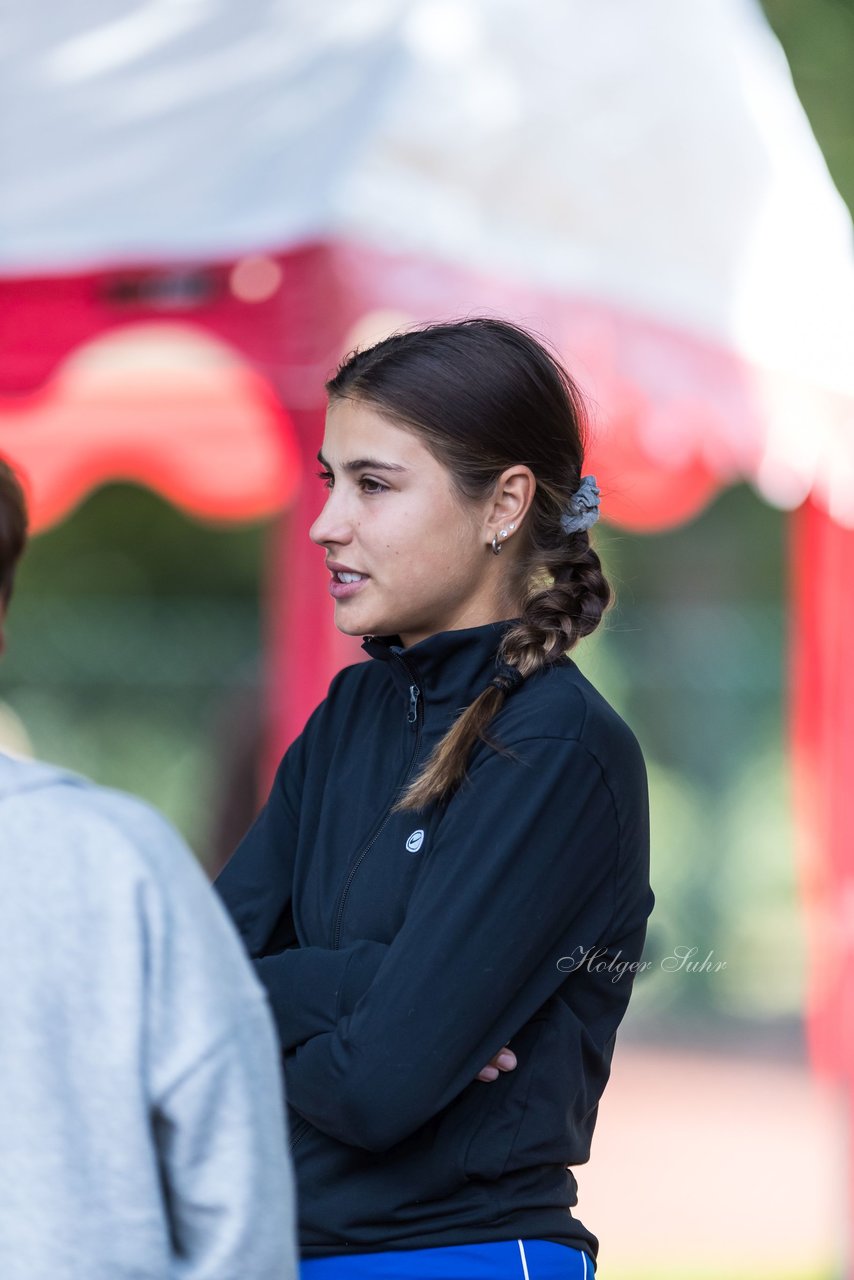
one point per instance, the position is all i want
(414, 693)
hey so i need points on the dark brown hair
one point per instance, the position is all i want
(13, 528)
(483, 395)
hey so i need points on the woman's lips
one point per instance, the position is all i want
(343, 590)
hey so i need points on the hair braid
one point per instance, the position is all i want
(556, 616)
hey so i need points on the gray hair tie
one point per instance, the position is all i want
(583, 509)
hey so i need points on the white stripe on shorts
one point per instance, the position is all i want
(525, 1275)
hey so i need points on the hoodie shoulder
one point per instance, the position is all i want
(19, 776)
(56, 818)
(88, 858)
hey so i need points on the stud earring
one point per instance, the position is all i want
(496, 545)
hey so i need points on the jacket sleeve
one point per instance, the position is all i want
(256, 883)
(308, 987)
(532, 862)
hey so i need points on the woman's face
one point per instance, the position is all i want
(391, 516)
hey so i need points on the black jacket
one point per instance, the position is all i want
(401, 952)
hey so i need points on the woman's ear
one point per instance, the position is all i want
(514, 493)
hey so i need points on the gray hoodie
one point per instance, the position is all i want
(142, 1129)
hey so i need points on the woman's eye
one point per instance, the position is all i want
(328, 478)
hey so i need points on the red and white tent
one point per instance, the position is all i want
(273, 181)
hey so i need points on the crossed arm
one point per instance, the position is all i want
(309, 988)
(380, 1038)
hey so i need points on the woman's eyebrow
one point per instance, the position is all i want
(358, 464)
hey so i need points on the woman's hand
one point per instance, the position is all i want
(504, 1060)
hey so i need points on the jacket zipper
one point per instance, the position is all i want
(411, 718)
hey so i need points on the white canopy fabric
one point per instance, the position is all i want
(649, 154)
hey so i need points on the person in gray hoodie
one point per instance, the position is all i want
(142, 1127)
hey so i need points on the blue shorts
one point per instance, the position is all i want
(498, 1260)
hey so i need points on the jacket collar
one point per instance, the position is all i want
(450, 667)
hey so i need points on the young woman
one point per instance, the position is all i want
(446, 894)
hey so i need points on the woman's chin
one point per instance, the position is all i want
(367, 623)
(352, 621)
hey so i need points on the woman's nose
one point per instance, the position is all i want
(330, 526)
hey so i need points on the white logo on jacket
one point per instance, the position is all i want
(415, 841)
